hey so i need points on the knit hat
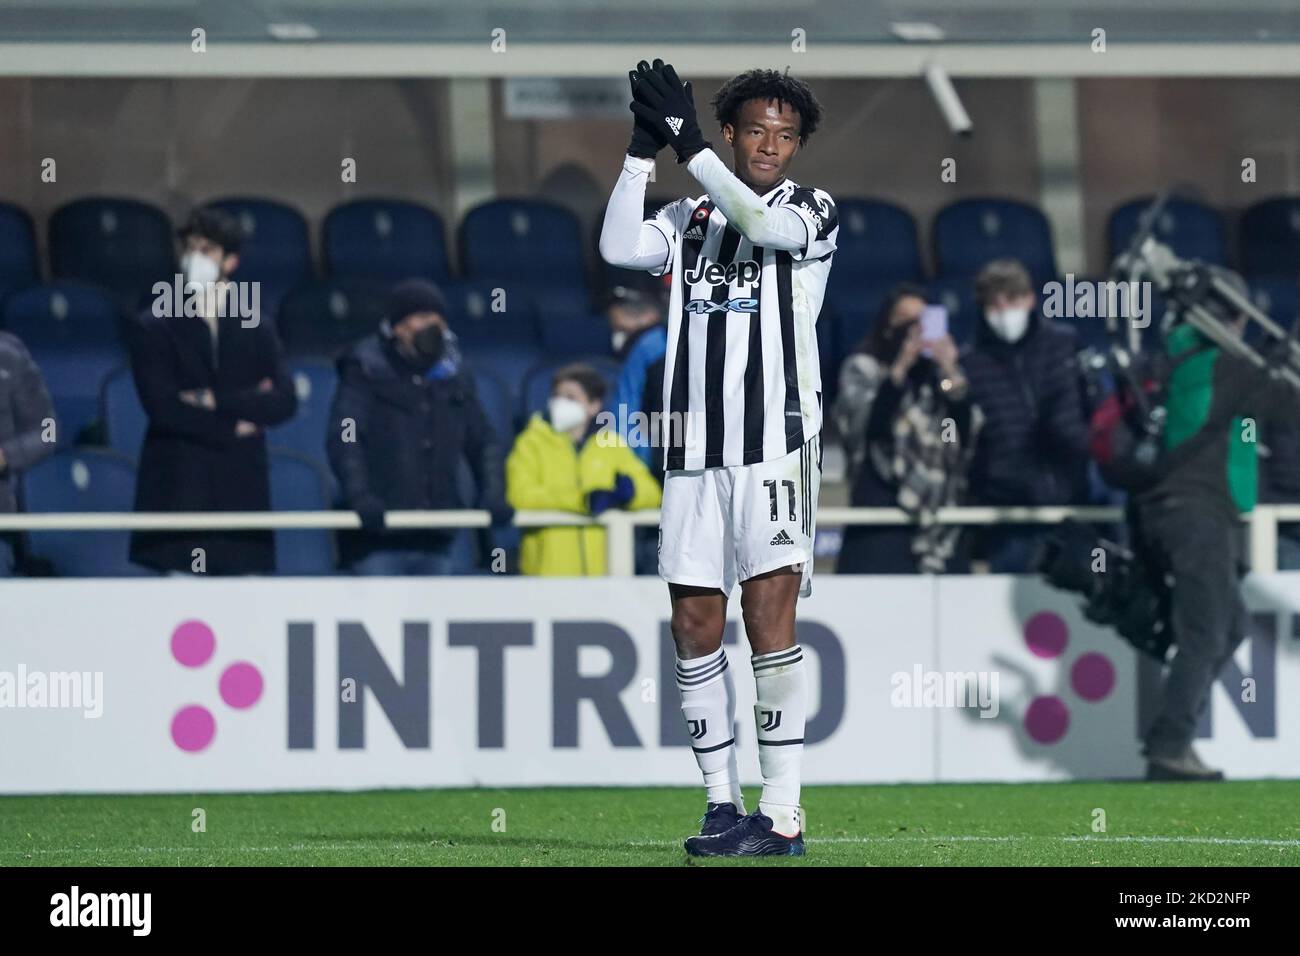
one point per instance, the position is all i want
(414, 295)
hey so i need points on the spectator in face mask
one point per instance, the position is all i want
(211, 381)
(633, 310)
(1024, 377)
(405, 416)
(564, 462)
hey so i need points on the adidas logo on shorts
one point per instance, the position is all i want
(782, 538)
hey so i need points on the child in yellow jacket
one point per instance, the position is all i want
(564, 462)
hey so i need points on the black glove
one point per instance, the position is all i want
(669, 107)
(646, 141)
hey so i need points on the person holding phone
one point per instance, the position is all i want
(909, 432)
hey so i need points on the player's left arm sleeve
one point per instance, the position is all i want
(804, 225)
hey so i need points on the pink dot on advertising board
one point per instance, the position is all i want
(1092, 676)
(193, 728)
(241, 685)
(193, 643)
(1047, 719)
(1046, 634)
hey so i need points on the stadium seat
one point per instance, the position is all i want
(850, 309)
(1192, 229)
(72, 331)
(321, 317)
(314, 381)
(958, 297)
(18, 267)
(971, 232)
(536, 390)
(486, 314)
(499, 403)
(125, 422)
(877, 242)
(385, 239)
(568, 325)
(299, 483)
(86, 479)
(63, 314)
(522, 240)
(121, 244)
(275, 252)
(1270, 238)
(1276, 296)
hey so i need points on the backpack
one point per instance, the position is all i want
(1126, 433)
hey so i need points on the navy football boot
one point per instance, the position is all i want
(752, 836)
(719, 818)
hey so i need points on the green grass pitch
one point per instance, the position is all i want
(1251, 823)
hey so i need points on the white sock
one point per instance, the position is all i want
(709, 708)
(779, 715)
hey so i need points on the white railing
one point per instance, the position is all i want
(619, 525)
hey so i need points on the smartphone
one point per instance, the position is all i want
(934, 325)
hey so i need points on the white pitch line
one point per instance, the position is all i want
(867, 840)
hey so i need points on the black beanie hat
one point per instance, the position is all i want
(415, 295)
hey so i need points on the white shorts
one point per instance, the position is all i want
(719, 526)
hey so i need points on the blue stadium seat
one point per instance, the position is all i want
(87, 479)
(125, 422)
(275, 252)
(386, 239)
(63, 314)
(299, 483)
(522, 240)
(1270, 238)
(18, 267)
(315, 382)
(499, 403)
(971, 232)
(121, 244)
(492, 314)
(1276, 296)
(569, 326)
(73, 332)
(1192, 229)
(877, 242)
(536, 390)
(958, 297)
(322, 317)
(851, 308)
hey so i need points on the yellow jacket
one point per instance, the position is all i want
(546, 472)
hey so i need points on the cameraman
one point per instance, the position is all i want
(1189, 525)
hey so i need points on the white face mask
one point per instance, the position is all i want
(617, 339)
(196, 267)
(1008, 324)
(565, 413)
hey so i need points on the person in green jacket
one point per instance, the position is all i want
(564, 461)
(1189, 525)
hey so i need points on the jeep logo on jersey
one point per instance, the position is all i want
(709, 272)
(728, 305)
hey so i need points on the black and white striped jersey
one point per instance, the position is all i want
(742, 379)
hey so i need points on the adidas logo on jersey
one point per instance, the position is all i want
(782, 538)
(695, 232)
(674, 123)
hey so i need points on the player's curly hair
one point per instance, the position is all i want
(768, 85)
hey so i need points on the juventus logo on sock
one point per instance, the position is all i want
(697, 728)
(771, 719)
